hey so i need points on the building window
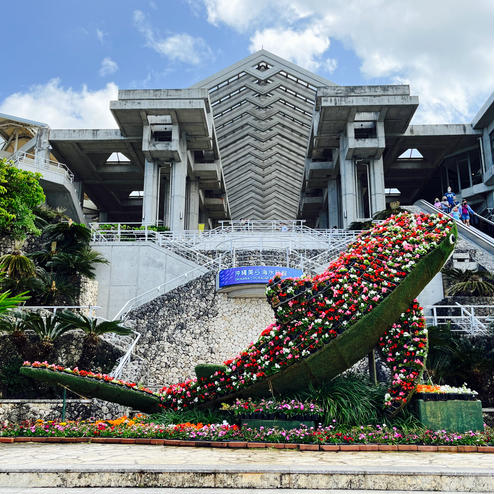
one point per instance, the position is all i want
(365, 130)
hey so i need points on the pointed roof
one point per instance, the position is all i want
(262, 110)
(250, 62)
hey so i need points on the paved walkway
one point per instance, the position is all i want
(65, 455)
(44, 468)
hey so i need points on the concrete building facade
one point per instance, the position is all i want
(262, 139)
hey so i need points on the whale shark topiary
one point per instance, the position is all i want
(323, 325)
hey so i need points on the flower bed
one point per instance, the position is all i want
(134, 428)
(272, 409)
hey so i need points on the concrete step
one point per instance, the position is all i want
(214, 477)
(166, 490)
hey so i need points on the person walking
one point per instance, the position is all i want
(451, 198)
(466, 211)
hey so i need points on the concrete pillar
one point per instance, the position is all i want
(42, 146)
(333, 203)
(165, 202)
(348, 193)
(376, 185)
(150, 194)
(178, 179)
(193, 204)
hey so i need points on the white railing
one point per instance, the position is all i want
(31, 160)
(126, 358)
(126, 232)
(463, 318)
(165, 287)
(471, 233)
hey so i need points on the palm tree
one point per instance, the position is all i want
(470, 282)
(93, 330)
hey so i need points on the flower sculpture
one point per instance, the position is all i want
(325, 324)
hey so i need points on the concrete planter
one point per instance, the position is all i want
(450, 415)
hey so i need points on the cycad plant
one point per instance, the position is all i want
(14, 323)
(17, 266)
(470, 282)
(9, 302)
(69, 236)
(350, 399)
(93, 330)
(45, 215)
(76, 263)
(48, 329)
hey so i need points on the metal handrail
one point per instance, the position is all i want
(482, 239)
(158, 290)
(125, 359)
(466, 319)
(43, 164)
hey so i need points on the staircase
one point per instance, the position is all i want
(472, 235)
(277, 243)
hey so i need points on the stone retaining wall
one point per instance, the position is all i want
(19, 410)
(193, 324)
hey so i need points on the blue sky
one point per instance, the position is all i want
(67, 58)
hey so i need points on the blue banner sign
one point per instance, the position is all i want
(248, 275)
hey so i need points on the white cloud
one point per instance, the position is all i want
(329, 65)
(61, 107)
(100, 35)
(442, 48)
(108, 66)
(181, 46)
(302, 47)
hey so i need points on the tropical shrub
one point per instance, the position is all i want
(52, 275)
(350, 399)
(20, 193)
(456, 358)
(469, 282)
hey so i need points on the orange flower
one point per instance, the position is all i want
(428, 388)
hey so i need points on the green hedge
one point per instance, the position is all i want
(207, 370)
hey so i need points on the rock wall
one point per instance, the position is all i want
(19, 410)
(88, 292)
(193, 324)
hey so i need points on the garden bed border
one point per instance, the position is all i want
(253, 445)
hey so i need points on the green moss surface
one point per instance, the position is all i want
(95, 388)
